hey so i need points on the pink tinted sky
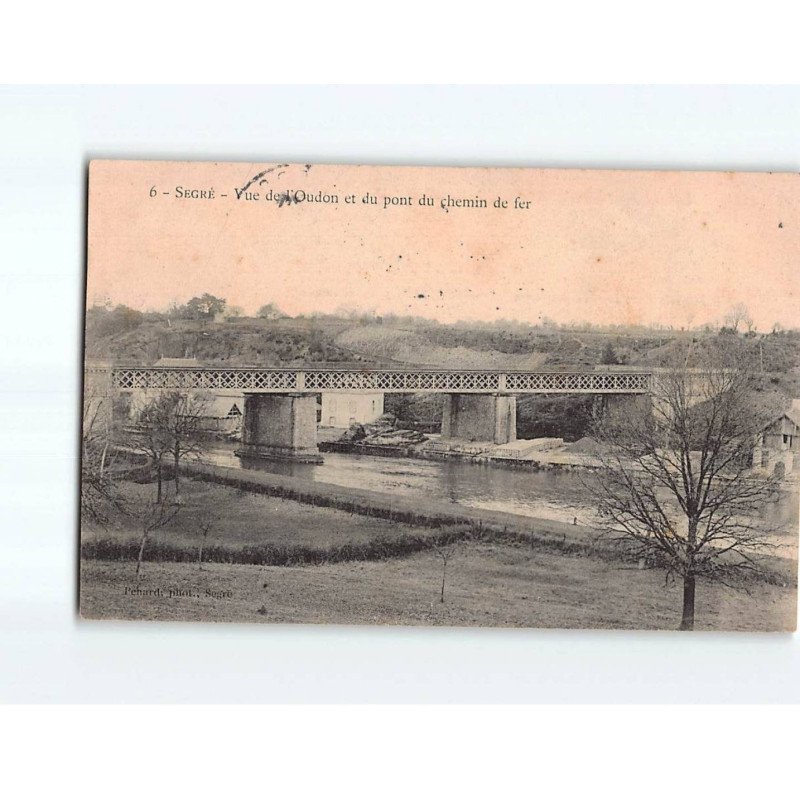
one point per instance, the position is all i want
(673, 248)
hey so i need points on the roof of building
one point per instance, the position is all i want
(222, 407)
(177, 362)
(794, 415)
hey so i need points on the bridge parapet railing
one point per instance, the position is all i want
(579, 382)
(386, 381)
(188, 378)
(402, 381)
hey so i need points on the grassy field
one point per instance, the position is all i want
(487, 585)
(240, 518)
(494, 583)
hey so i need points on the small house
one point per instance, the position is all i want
(220, 411)
(221, 414)
(138, 399)
(779, 441)
(341, 410)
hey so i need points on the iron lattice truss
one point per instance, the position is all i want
(333, 380)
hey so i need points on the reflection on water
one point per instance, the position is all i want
(551, 495)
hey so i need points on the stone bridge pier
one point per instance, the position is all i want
(480, 417)
(280, 426)
(280, 403)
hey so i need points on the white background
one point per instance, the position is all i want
(46, 139)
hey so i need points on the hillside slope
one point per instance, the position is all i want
(242, 342)
(410, 347)
(133, 337)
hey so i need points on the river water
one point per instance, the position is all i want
(550, 494)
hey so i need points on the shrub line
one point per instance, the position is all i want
(452, 528)
(274, 555)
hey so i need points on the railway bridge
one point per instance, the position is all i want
(280, 403)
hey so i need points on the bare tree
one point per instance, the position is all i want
(445, 551)
(99, 468)
(205, 529)
(677, 486)
(168, 428)
(739, 315)
(270, 311)
(152, 437)
(155, 516)
(185, 422)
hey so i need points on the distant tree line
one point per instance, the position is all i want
(562, 345)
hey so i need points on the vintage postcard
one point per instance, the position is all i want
(441, 396)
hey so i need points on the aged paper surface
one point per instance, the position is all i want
(441, 396)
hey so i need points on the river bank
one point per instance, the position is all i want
(530, 455)
(249, 546)
(430, 513)
(427, 512)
